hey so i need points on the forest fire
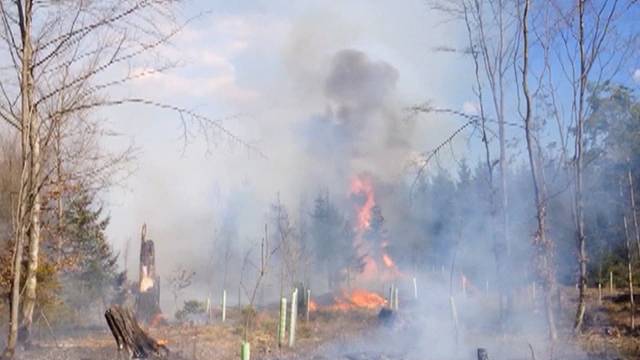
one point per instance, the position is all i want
(362, 186)
(358, 299)
(163, 342)
(388, 262)
(313, 306)
(434, 207)
(370, 241)
(146, 282)
(157, 320)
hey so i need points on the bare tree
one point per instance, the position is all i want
(579, 45)
(632, 203)
(290, 248)
(180, 279)
(493, 39)
(629, 258)
(251, 290)
(65, 59)
(543, 246)
(592, 52)
(578, 158)
(496, 43)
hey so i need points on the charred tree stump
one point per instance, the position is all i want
(148, 299)
(482, 354)
(129, 335)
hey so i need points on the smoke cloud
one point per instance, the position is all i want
(331, 109)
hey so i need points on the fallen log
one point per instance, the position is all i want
(129, 335)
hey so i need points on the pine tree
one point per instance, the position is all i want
(92, 269)
(332, 237)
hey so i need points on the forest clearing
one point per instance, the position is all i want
(358, 333)
(354, 180)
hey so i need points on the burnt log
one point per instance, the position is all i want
(483, 354)
(387, 317)
(130, 337)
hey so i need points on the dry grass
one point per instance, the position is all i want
(607, 335)
(216, 341)
(608, 326)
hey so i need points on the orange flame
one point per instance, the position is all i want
(388, 262)
(358, 298)
(158, 319)
(163, 342)
(312, 305)
(146, 282)
(362, 186)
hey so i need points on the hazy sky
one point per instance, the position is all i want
(263, 65)
(267, 61)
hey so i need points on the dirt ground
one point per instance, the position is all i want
(216, 341)
(361, 335)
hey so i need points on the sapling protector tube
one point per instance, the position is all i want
(245, 351)
(282, 326)
(294, 317)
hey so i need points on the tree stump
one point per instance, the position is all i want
(148, 299)
(129, 335)
(482, 354)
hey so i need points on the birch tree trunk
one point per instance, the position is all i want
(31, 282)
(579, 203)
(632, 305)
(19, 236)
(634, 214)
(25, 206)
(542, 244)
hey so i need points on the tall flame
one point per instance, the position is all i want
(146, 282)
(388, 262)
(362, 186)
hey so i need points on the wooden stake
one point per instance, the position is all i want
(599, 294)
(611, 282)
(454, 315)
(195, 342)
(395, 298)
(391, 297)
(463, 281)
(533, 292)
(559, 295)
(294, 318)
(224, 305)
(308, 304)
(208, 308)
(282, 326)
(630, 275)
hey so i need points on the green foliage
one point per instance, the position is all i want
(191, 308)
(613, 127)
(332, 235)
(92, 269)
